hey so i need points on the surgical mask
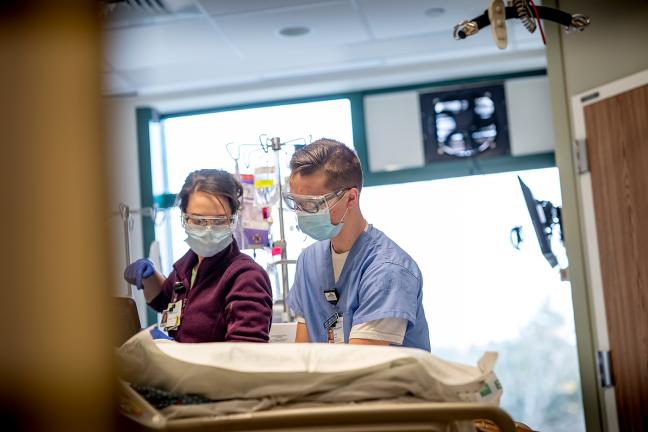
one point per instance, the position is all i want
(318, 225)
(207, 242)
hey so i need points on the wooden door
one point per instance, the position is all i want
(617, 146)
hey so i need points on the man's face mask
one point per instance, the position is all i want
(313, 214)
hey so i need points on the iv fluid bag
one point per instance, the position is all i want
(266, 188)
(252, 231)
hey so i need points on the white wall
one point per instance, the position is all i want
(528, 108)
(613, 46)
(393, 131)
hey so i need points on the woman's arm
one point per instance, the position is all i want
(248, 306)
(153, 286)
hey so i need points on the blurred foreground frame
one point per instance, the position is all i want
(56, 368)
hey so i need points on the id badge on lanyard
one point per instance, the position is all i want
(172, 315)
(335, 324)
(335, 333)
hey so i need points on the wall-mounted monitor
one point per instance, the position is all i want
(464, 122)
(544, 216)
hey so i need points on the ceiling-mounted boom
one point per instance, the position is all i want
(524, 10)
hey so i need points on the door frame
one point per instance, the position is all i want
(596, 299)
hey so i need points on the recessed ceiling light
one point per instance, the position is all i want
(294, 31)
(434, 12)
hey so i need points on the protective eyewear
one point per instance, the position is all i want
(312, 203)
(207, 222)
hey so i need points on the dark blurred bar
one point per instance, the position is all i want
(56, 362)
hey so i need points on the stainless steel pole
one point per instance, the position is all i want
(124, 211)
(276, 146)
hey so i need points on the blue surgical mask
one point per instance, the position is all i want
(318, 225)
(208, 242)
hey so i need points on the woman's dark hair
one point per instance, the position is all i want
(214, 182)
(340, 164)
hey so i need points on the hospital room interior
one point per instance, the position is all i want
(353, 215)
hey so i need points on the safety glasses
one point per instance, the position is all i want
(207, 222)
(312, 203)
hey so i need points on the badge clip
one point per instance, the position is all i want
(179, 287)
(331, 296)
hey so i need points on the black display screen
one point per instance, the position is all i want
(464, 122)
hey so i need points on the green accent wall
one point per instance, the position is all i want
(144, 117)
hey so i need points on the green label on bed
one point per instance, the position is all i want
(485, 390)
(498, 385)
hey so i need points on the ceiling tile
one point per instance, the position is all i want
(239, 45)
(220, 7)
(330, 24)
(162, 44)
(132, 14)
(190, 74)
(392, 19)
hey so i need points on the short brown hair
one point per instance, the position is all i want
(214, 182)
(339, 163)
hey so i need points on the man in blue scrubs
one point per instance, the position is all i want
(355, 285)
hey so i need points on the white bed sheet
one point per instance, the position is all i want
(281, 374)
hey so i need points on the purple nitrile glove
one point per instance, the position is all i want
(139, 270)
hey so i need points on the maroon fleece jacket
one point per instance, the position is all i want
(231, 299)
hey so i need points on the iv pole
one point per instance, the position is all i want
(125, 212)
(275, 145)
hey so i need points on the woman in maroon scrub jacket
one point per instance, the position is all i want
(215, 293)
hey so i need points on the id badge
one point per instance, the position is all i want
(171, 316)
(336, 332)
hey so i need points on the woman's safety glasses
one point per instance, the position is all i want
(312, 203)
(206, 221)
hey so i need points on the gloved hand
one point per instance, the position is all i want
(156, 333)
(139, 270)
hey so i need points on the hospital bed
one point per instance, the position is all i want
(320, 387)
(384, 417)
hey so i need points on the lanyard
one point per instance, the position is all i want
(332, 296)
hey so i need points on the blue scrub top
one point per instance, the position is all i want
(378, 280)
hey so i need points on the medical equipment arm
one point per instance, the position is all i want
(571, 22)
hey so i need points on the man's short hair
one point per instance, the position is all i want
(338, 162)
